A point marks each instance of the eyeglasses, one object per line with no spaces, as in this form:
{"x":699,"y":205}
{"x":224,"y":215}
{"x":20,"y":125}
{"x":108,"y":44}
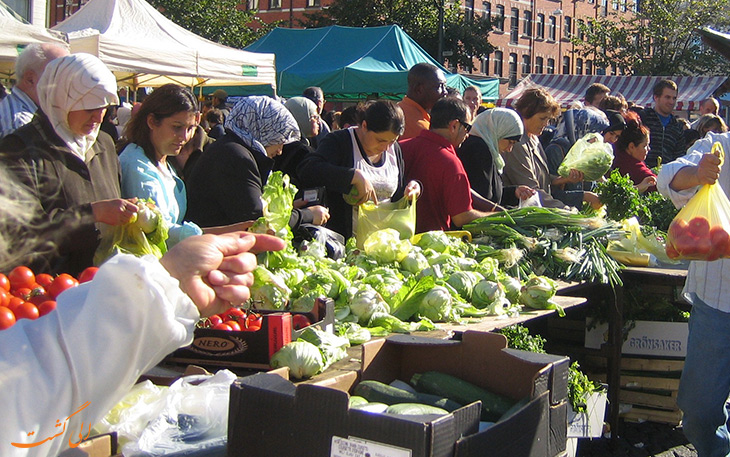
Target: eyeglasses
{"x":466,"y":125}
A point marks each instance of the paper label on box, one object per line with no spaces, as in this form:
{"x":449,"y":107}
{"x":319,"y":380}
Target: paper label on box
{"x":645,"y":338}
{"x":357,"y":447}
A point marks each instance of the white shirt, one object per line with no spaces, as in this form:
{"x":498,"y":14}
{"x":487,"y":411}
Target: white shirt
{"x":92,"y":348}
{"x":709,"y":280}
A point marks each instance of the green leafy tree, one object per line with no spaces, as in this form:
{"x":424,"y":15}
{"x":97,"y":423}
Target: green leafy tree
{"x":221,"y":21}
{"x":658,"y":39}
{"x":465,"y":37}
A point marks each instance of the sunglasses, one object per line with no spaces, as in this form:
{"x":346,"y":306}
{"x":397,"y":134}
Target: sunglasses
{"x":466,"y":125}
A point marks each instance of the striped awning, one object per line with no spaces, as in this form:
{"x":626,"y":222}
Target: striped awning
{"x":570,"y":88}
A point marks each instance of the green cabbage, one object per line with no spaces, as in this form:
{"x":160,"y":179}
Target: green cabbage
{"x":436,"y":240}
{"x":332,"y":347}
{"x":463,"y":282}
{"x":353,"y":332}
{"x":277,"y":199}
{"x":538,"y":292}
{"x":303,"y":359}
{"x":365,"y":302}
{"x":436,"y":304}
{"x":490,"y":295}
{"x":385,"y":246}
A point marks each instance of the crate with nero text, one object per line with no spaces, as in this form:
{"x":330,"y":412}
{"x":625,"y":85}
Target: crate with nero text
{"x":252,"y":349}
{"x":272,"y":416}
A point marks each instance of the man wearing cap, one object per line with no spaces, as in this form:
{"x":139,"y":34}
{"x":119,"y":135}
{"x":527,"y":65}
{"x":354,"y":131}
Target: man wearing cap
{"x":316,"y":94}
{"x":219,"y":102}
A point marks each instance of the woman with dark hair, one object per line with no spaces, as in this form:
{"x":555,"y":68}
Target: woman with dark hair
{"x":630,"y":152}
{"x":226,"y":185}
{"x":366,"y":158}
{"x":159,"y":130}
{"x":527,"y":164}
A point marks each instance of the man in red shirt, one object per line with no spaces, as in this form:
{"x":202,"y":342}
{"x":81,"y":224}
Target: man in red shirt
{"x":426,"y":84}
{"x":431,"y":158}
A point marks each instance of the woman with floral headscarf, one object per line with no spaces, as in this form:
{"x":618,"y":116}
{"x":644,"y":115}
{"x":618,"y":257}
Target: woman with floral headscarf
{"x":68,"y":163}
{"x":226,"y":184}
{"x":493,"y":133}
{"x":305,"y":113}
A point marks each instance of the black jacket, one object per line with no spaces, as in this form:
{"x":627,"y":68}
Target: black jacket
{"x":331,"y":166}
{"x":226,"y":184}
{"x":483,"y":176}
{"x":665,"y":142}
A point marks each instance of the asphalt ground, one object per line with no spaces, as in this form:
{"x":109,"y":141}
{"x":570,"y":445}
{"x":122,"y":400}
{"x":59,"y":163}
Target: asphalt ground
{"x":640,"y":440}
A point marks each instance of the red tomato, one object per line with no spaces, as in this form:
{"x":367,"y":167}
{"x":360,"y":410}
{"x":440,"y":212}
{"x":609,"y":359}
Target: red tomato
{"x":235,"y":326}
{"x":62,"y":282}
{"x":4,"y":283}
{"x":677,"y":228}
{"x":233,"y":314}
{"x":222,"y":326}
{"x":671,"y":252}
{"x":88,"y":274}
{"x":7,"y":318}
{"x":699,"y":227}
{"x":215,"y":320}
{"x":21,"y":277}
{"x":22,"y":292}
{"x":46,"y":307}
{"x":38,"y":299}
{"x":299,"y":321}
{"x":4,"y":297}
{"x":14,"y":303}
{"x":26,"y":310}
{"x":44,"y":280}
{"x":720,"y":240}
{"x":253,"y":322}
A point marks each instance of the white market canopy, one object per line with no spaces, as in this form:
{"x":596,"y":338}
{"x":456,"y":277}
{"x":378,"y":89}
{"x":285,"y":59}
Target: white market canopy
{"x":142,"y":46}
{"x":638,"y":89}
{"x":15,"y":35}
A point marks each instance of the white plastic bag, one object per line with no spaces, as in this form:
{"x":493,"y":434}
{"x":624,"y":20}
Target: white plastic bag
{"x":534,"y":200}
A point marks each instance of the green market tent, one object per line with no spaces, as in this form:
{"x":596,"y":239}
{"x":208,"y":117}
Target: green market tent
{"x":352,"y":62}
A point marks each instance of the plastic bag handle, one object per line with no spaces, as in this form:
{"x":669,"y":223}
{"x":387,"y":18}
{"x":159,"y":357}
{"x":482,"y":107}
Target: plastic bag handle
{"x":718,"y":150}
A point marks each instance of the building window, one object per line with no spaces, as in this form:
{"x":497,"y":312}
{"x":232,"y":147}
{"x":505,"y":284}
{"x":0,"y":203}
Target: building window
{"x":580,"y":29}
{"x":498,"y":63}
{"x":567,"y":27}
{"x":469,"y":9}
{"x":566,"y":65}
{"x":252,"y":5}
{"x":513,"y":69}
{"x":22,"y":8}
{"x":274,"y":4}
{"x":487,"y":10}
{"x":527,"y":29}
{"x":551,"y":67}
{"x":540,"y":26}
{"x":500,"y":18}
{"x":578,"y":66}
{"x":614,"y":69}
{"x":311,"y":3}
{"x":525,"y":64}
{"x":552,"y":27}
{"x":538,"y":65}
{"x":615,"y":4}
{"x":589,"y":67}
{"x":485,"y":64}
{"x":514,"y":25}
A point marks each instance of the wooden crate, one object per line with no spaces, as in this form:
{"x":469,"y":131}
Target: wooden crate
{"x":649,"y":385}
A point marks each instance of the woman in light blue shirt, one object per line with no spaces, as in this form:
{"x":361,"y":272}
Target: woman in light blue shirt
{"x":164,"y":123}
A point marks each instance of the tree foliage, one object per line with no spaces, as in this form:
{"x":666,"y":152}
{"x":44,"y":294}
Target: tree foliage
{"x":658,"y":40}
{"x":466,"y":38}
{"x":217,"y":20}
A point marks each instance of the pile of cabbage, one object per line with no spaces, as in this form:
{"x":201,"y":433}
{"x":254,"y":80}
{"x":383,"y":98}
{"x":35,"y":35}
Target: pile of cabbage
{"x":396,"y":286}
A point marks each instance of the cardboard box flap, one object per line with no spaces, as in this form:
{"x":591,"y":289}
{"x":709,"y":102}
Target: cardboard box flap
{"x":525,"y":434}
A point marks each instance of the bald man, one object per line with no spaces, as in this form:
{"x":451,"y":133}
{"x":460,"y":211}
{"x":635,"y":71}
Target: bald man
{"x":17,"y":109}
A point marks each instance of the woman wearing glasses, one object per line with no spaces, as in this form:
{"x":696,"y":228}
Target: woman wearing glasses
{"x":364,"y":162}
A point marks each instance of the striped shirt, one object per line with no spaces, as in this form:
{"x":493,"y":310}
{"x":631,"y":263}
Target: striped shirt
{"x":710,"y":281}
{"x":16,"y":110}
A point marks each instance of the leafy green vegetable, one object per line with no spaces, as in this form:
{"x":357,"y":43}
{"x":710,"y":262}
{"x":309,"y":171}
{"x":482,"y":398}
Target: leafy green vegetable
{"x":146,"y":233}
{"x":332,"y":347}
{"x":464,"y":282}
{"x":303,"y":359}
{"x":386,"y":246}
{"x":353,"y":332}
{"x":579,"y":388}
{"x":277,"y":199}
{"x":621,"y":198}
{"x":435,"y":304}
{"x":365,"y":302}
{"x":538,"y":292}
{"x":518,"y":337}
{"x":436,"y":240}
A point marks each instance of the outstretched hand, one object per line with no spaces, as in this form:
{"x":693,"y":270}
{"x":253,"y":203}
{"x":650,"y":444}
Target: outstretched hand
{"x":216,"y":271}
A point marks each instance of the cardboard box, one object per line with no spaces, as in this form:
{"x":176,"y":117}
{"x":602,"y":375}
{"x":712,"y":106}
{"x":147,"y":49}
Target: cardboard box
{"x":104,"y":445}
{"x":221,"y":348}
{"x":271,"y":416}
{"x":665,"y":339}
{"x":590,"y":423}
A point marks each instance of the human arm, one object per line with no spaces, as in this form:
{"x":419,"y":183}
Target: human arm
{"x":464,"y":218}
{"x":647,"y":184}
{"x":482,"y":204}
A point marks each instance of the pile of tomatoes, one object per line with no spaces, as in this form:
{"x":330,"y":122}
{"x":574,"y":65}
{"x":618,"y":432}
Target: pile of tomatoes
{"x":697,"y":240}
{"x":25,"y":295}
{"x":233,"y":320}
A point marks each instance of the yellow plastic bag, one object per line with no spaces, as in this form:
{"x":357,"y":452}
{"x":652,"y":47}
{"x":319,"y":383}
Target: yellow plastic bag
{"x":591,"y":155}
{"x":701,"y":230}
{"x":400,"y":215}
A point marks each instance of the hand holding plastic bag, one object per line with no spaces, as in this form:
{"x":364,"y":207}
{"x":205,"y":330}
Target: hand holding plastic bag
{"x":701,"y":230}
{"x":589,"y":155}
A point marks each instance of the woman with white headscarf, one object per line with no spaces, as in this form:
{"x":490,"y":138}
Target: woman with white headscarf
{"x":68,"y":163}
{"x":226,"y":184}
{"x":493,"y":133}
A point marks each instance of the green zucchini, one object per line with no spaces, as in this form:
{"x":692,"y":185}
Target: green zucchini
{"x":373,"y":407}
{"x":460,"y":391}
{"x":383,"y":393}
{"x":414,"y":409}
{"x":355,"y":401}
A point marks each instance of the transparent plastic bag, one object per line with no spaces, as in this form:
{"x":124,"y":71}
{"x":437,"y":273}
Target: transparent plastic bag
{"x":590,"y":155}
{"x":400,"y":215}
{"x":701,"y":230}
{"x":189,"y":416}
